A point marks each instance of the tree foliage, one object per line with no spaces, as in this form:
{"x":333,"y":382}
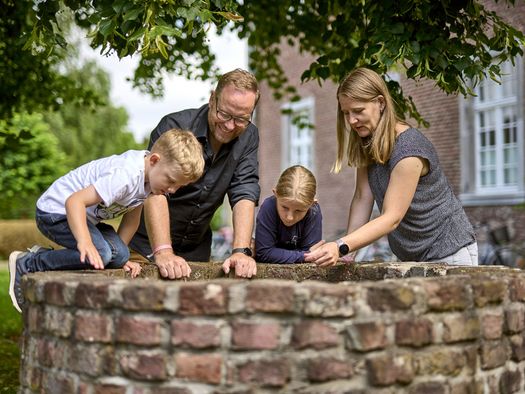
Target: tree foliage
{"x":30,"y":161}
{"x":456,"y":43}
{"x":91,"y":132}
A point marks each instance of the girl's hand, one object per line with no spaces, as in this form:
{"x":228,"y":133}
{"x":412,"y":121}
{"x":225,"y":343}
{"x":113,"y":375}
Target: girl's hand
{"x":133,"y":268}
{"x":317,"y":245}
{"x":323,"y":256}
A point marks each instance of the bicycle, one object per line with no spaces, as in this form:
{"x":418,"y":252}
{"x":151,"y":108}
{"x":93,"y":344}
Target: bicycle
{"x":498,"y":248}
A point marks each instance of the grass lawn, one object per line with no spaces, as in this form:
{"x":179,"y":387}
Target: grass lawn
{"x":10,"y":331}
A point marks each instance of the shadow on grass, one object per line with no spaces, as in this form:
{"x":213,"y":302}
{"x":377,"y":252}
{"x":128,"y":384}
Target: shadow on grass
{"x":10,"y":331}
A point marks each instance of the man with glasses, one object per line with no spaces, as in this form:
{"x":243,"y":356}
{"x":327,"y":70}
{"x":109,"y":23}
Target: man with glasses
{"x":175,"y":228}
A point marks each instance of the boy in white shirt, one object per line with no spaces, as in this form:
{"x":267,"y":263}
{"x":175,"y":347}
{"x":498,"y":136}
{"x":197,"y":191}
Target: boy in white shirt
{"x":71,"y":210}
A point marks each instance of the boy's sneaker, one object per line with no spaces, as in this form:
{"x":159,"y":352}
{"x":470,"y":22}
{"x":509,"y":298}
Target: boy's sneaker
{"x":17,"y":269}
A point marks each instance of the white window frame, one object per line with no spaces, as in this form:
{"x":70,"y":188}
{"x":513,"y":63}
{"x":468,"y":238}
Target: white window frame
{"x":474,"y":191}
{"x":294,"y":139}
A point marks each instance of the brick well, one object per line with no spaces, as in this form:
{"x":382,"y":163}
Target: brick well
{"x":360,"y":328}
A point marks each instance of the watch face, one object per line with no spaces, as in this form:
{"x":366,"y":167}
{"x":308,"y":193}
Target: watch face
{"x":248,"y":252}
{"x":343,"y":249}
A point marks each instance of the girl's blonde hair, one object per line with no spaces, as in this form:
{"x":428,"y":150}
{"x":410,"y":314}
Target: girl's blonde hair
{"x":181,"y":149}
{"x":297,"y":183}
{"x":365,"y":85}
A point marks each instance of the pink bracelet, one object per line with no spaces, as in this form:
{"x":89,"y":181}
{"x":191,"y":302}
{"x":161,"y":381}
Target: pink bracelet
{"x":160,"y":247}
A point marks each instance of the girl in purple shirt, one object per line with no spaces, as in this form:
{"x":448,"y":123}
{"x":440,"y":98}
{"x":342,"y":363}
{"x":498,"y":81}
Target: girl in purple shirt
{"x":289,"y":223}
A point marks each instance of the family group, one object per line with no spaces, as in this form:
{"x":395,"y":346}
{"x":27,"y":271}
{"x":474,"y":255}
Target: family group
{"x":167,"y":194}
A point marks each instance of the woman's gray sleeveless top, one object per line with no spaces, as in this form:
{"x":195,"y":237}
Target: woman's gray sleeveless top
{"x":435,"y":224}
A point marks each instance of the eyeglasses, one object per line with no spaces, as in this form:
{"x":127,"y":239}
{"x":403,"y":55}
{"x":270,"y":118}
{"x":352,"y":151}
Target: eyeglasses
{"x":224,"y":117}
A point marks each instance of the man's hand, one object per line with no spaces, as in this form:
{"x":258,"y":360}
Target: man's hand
{"x":171,"y":266}
{"x":244,"y":266}
{"x":133,"y":268}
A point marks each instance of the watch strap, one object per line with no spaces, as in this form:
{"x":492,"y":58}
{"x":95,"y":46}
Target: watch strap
{"x":246,"y":251}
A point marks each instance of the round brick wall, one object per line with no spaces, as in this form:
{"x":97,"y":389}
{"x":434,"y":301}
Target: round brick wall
{"x":360,"y":328}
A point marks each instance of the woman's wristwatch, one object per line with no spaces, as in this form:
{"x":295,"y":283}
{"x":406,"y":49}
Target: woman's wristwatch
{"x":344,"y":249}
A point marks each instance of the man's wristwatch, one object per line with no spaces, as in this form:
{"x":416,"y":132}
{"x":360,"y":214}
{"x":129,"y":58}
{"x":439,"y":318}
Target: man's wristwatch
{"x":246,"y":251}
{"x":343,"y":248}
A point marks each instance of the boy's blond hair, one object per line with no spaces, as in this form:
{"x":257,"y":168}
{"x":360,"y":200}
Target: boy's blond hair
{"x":181,"y":149}
{"x":241,"y":79}
{"x":297,"y":183}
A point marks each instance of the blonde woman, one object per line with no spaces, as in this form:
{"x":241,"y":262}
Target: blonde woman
{"x":289,"y":223}
{"x":397,"y":168}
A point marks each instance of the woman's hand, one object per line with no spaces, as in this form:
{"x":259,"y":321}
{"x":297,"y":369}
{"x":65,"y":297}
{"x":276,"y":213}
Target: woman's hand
{"x":324,"y":256}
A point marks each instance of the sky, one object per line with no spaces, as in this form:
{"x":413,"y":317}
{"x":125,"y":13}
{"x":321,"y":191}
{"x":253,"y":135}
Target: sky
{"x":144,"y":111}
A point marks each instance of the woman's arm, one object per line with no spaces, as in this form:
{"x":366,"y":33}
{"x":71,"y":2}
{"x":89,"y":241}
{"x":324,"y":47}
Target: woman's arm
{"x":399,"y":194}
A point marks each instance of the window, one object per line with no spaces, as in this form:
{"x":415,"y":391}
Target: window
{"x":298,"y":134}
{"x":493,"y":141}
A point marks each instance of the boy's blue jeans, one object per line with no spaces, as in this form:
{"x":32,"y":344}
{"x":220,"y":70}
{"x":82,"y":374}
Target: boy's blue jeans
{"x":113,"y":251}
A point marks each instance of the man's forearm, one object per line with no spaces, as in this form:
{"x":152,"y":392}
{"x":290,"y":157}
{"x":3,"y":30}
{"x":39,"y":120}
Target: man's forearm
{"x":156,"y":217}
{"x":243,"y":219}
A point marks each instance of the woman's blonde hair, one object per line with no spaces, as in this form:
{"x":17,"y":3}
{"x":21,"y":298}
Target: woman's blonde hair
{"x":365,"y":85}
{"x":181,"y":149}
{"x":297,"y":183}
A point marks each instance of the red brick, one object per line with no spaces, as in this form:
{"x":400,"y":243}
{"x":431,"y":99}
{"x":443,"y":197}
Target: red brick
{"x":314,"y":334}
{"x":458,"y":328}
{"x":203,"y":368}
{"x":320,"y":299}
{"x":389,"y":369}
{"x":255,"y":335}
{"x":440,"y":361}
{"x":33,"y":318}
{"x":446,"y":294}
{"x":368,"y":336}
{"x":391,"y":297}
{"x":50,"y":353}
{"x":143,"y":297}
{"x":517,"y":346}
{"x":144,"y":366}
{"x":511,"y":382}
{"x":54,"y":293}
{"x":415,"y":333}
{"x":271,"y":373}
{"x":488,"y":291}
{"x":515,"y":319}
{"x":85,"y":359}
{"x":203,"y":299}
{"x":92,"y":295}
{"x":93,"y":327}
{"x":429,"y":388}
{"x":493,"y":354}
{"x":58,"y":321}
{"x":139,"y":330}
{"x":269,"y":296}
{"x":492,"y":325}
{"x":195,"y":335}
{"x":108,"y":389}
{"x":323,"y":369}
{"x":517,"y":289}
{"x":58,"y":383}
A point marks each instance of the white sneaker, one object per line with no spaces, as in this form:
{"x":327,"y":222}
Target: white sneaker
{"x":15,"y":292}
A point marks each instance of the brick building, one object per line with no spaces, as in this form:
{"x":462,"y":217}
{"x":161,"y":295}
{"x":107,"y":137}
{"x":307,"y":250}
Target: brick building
{"x":480,"y":141}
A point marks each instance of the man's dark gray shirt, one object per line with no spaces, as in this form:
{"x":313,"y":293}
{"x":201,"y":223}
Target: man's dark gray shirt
{"x":234,"y":171}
